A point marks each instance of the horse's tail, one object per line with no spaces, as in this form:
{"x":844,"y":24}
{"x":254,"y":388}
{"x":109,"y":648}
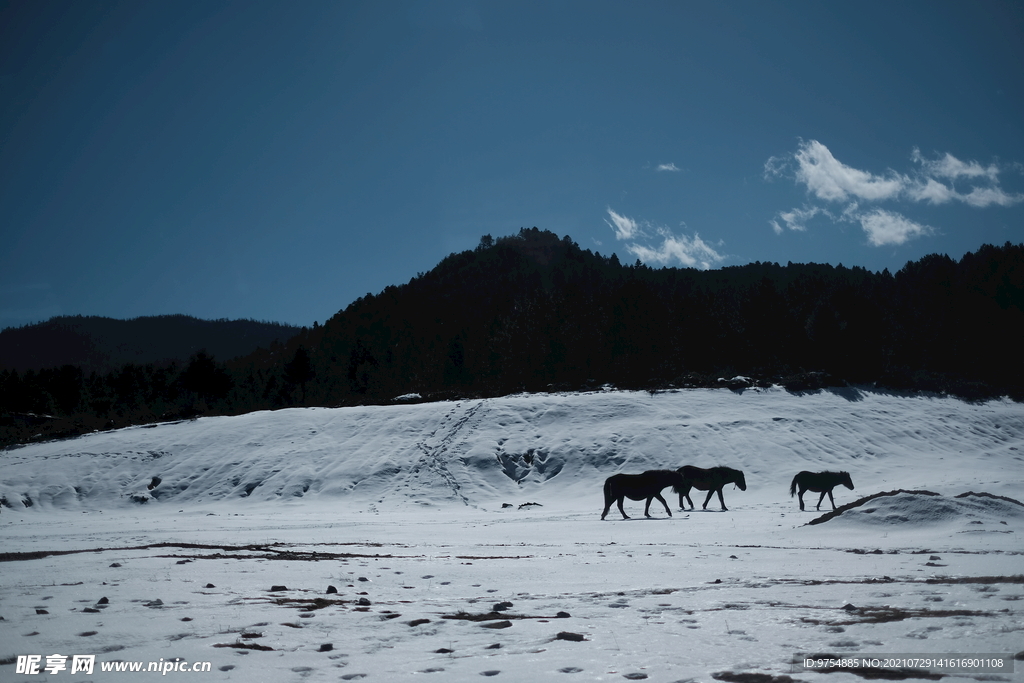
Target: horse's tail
{"x":680,"y":484}
{"x":792,"y":487}
{"x":608,"y":491}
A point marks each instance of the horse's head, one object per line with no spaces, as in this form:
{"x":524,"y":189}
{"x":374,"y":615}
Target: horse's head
{"x":845,"y":480}
{"x":739,"y":480}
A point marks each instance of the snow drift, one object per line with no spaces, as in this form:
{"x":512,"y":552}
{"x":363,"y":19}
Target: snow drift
{"x":926,"y":507}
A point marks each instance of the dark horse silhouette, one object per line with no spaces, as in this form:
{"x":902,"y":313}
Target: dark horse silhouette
{"x":822,"y":482}
{"x":710,"y":480}
{"x":639,"y":486}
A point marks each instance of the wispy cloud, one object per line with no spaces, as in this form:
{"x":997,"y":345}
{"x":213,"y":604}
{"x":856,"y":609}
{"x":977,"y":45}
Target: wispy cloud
{"x":829,"y":179}
{"x":987,"y":196}
{"x":668,"y":167}
{"x":886,"y":228}
{"x":625,"y":228}
{"x":935,"y":181}
{"x":654,"y":244}
{"x":796,"y":219}
{"x":948,"y":166}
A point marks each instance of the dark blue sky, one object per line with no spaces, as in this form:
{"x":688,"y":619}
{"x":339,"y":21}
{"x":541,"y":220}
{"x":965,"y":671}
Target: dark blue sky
{"x":278,"y":160}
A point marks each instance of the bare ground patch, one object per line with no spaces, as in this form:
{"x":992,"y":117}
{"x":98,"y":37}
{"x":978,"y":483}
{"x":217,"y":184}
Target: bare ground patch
{"x":266,"y":552}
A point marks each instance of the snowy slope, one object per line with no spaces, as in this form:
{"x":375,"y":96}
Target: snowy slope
{"x":546,"y":447}
{"x":410,"y":498}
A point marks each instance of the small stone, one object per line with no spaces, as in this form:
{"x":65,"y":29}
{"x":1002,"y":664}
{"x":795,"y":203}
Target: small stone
{"x":274,"y":589}
{"x":497,"y":624}
{"x":568,"y":635}
{"x":563,"y":615}
{"x":363,"y":602}
{"x":331,"y":589}
{"x":210,"y":585}
{"x":326,"y":647}
{"x":102,"y":601}
{"x":116,"y":564}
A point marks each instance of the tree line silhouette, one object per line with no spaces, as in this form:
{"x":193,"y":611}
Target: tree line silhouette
{"x":99,"y":344}
{"x":533,"y":312}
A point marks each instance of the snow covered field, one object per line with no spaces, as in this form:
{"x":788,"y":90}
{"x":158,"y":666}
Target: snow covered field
{"x":426,"y":518}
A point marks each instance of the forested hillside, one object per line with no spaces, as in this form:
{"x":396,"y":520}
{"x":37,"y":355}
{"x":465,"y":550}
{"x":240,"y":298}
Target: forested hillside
{"x":98,"y":344}
{"x":534,"y":312}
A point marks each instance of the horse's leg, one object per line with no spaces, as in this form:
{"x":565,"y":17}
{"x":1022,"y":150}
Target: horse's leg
{"x":831,"y":499}
{"x":800,"y":496}
{"x":658,"y":496}
{"x":608,"y":500}
{"x":721,"y":499}
{"x":624,"y":515}
{"x":711,"y":492}
{"x":683,"y":491}
{"x":823,"y":498}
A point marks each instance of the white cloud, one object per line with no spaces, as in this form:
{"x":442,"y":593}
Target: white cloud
{"x":887,"y":228}
{"x":882,"y":227}
{"x":935,"y":181}
{"x":932,"y":191}
{"x":797,"y":218}
{"x":625,"y":228}
{"x":692,"y":252}
{"x":668,"y":167}
{"x":950,"y":167}
{"x":659,"y":245}
{"x":830,"y":179}
{"x":986,"y":196}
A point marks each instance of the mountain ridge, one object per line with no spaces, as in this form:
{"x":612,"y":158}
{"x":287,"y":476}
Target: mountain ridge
{"x":534,"y":312}
{"x":101,"y":344}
